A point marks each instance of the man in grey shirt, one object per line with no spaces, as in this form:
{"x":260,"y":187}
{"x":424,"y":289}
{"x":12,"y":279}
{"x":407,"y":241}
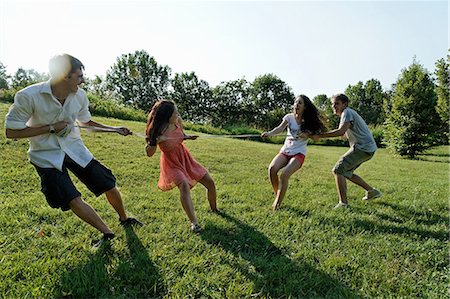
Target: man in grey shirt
{"x":362,"y":149}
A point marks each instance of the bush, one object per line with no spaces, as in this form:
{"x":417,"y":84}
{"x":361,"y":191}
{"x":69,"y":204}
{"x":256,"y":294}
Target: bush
{"x":111,"y":108}
{"x":378,"y":135}
{"x":7,"y":95}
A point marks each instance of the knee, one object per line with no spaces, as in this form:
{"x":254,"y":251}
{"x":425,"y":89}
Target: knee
{"x":184,"y":186}
{"x":272,"y":170}
{"x":212,"y":185}
{"x":334,"y":171}
{"x":209,"y":182}
{"x":76,"y":203}
{"x":285,"y":176}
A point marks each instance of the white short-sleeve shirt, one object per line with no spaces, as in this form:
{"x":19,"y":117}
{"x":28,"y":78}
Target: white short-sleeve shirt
{"x":35,"y":106}
{"x":293,"y":146}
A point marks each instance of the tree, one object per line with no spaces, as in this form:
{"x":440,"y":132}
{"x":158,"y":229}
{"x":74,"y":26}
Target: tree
{"x":367,"y":99}
{"x":271,"y":99}
{"x":25,"y":77}
{"x":443,"y":92}
{"x":192,"y":96}
{"x":3,"y":77}
{"x":412,"y":121}
{"x":230,"y":102}
{"x":323,"y":103}
{"x":138,"y":80}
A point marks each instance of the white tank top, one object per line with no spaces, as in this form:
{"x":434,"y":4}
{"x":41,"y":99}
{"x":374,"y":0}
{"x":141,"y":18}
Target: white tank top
{"x":291,"y":145}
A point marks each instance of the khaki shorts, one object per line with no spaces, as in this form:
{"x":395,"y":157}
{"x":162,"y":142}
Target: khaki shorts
{"x":351,"y":160}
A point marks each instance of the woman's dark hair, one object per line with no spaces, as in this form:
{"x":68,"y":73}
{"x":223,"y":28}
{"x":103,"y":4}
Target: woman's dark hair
{"x":312,"y":120}
{"x":158,"y":119}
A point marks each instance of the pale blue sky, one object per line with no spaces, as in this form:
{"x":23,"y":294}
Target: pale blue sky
{"x":315,"y":47}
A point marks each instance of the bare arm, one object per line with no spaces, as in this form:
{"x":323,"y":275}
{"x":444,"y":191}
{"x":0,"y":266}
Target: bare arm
{"x":278,"y":129}
{"x":120,"y":130}
{"x":334,"y":133}
{"x":34,"y":131}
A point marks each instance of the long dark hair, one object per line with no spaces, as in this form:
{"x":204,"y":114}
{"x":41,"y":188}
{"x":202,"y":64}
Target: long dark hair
{"x":312,"y":120}
{"x":158,"y":119}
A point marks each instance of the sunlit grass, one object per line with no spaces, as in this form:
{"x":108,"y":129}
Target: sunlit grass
{"x":395,"y":246}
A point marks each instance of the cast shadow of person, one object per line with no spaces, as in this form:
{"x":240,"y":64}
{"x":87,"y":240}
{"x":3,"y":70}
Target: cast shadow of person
{"x":398,"y":223}
{"x":141,"y":276}
{"x":136,"y":276}
{"x":271,"y":271}
{"x":89,"y":280}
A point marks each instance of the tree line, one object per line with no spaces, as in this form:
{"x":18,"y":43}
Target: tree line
{"x":413,"y":114}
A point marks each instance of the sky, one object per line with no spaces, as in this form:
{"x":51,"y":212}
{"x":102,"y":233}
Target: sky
{"x":316,"y":47}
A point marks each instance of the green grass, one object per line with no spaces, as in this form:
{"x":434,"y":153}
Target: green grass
{"x":393,"y":247}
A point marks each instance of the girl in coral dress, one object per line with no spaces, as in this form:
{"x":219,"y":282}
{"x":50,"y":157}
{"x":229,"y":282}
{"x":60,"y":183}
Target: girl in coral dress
{"x":177,"y":166}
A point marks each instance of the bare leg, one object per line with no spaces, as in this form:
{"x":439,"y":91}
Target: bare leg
{"x":341,"y":185}
{"x":85,"y":212}
{"x":186,"y":202}
{"x":115,"y":199}
{"x":360,"y":182}
{"x":208,"y":182}
{"x":278,"y":162}
{"x":286,"y":173}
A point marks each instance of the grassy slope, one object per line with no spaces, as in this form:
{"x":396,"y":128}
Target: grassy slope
{"x":395,"y":246}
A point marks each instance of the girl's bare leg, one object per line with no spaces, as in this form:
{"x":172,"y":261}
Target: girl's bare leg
{"x":186,"y":202}
{"x":211,"y":193}
{"x":278,"y":162}
{"x":286,"y":173}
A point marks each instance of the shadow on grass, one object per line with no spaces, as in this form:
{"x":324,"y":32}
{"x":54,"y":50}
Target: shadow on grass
{"x":272,"y":272}
{"x":398,"y":222}
{"x":136,"y":276}
{"x":404,"y":215}
{"x":432,"y":158}
{"x":90,"y":279}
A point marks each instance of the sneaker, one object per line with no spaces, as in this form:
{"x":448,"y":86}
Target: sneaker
{"x":196,"y":228}
{"x":130,"y":222}
{"x":104,"y":239}
{"x":371,"y":194}
{"x":342,"y":205}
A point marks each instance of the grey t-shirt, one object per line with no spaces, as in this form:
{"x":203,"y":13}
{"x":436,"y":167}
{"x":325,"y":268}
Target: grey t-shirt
{"x":358,"y":134}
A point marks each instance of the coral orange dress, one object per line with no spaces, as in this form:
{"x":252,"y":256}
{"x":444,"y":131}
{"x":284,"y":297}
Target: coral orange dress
{"x":176,"y":163}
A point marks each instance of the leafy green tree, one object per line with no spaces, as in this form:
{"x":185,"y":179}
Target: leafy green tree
{"x":137,"y":79}
{"x":443,"y":92}
{"x":97,"y":86}
{"x":192,"y":96}
{"x":367,"y":99}
{"x":271,"y":98}
{"x":25,"y":77}
{"x":413,"y":119}
{"x":230,"y":103}
{"x":4,"y":77}
{"x":323,"y":103}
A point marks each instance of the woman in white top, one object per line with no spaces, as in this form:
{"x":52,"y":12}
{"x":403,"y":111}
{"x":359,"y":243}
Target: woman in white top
{"x":304,"y":118}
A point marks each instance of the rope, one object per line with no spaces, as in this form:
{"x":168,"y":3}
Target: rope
{"x":99,"y":129}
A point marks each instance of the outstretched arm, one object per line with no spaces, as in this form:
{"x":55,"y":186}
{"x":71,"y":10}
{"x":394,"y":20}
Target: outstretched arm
{"x":278,"y":129}
{"x":334,"y":133}
{"x":120,"y":130}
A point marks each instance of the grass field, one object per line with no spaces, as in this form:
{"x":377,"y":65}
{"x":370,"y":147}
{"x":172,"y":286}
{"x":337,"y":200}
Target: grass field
{"x":393,"y":247}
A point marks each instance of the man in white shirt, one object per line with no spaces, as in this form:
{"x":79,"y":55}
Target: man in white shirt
{"x":46,"y":113}
{"x":362,"y":149}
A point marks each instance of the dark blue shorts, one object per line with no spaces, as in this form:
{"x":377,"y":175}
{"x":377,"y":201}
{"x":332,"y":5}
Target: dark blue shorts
{"x":59,"y":189}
